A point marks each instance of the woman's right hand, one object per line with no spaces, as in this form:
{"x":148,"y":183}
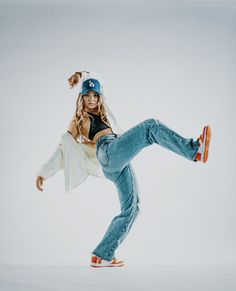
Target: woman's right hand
{"x":39,"y":183}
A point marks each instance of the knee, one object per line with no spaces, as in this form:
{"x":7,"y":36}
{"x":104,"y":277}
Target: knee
{"x":135,"y":208}
{"x":151,"y":120}
{"x":136,"y":211}
{"x":132,"y":209}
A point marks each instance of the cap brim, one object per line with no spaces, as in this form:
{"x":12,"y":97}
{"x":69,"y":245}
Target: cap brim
{"x":86,"y":91}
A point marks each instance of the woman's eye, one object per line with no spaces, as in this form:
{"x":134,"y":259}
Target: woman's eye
{"x":86,"y":95}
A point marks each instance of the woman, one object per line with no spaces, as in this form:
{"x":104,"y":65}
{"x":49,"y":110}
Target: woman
{"x":115,"y":151}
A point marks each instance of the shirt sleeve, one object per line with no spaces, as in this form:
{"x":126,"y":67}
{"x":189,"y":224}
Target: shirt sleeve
{"x":53,"y":165}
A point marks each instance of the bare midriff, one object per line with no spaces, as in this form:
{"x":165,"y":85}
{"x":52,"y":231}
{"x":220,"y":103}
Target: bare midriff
{"x":97,"y":135}
{"x":101,"y":133}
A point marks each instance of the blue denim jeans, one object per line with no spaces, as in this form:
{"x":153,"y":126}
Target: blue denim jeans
{"x":115,"y":152}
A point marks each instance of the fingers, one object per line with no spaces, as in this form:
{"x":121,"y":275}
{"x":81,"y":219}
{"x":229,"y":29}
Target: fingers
{"x":71,"y":80}
{"x":70,"y":83}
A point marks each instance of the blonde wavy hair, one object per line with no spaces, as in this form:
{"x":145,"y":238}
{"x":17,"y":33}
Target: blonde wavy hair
{"x":75,"y":127}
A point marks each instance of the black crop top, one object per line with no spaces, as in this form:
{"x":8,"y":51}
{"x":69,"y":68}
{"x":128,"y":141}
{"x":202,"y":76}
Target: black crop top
{"x":96,"y":125}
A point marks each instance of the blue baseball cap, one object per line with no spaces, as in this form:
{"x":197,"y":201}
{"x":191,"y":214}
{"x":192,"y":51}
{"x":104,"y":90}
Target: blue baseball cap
{"x":91,"y":85}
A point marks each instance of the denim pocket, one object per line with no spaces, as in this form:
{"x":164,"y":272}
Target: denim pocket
{"x":102,"y":154}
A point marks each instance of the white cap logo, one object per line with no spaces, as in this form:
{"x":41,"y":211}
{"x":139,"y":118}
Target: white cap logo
{"x":91,"y":84}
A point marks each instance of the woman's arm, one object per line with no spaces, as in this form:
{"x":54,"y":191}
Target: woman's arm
{"x":51,"y":167}
{"x":55,"y":162}
{"x":77,"y":77}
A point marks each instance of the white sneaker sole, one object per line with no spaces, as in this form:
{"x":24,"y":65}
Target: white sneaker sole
{"x":203,"y":150}
{"x":105,"y":263}
{"x":104,"y":266}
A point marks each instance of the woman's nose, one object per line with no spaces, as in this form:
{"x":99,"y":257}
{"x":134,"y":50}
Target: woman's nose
{"x":91,"y":97}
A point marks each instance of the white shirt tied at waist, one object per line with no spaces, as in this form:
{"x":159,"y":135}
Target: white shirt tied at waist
{"x":77,"y":159}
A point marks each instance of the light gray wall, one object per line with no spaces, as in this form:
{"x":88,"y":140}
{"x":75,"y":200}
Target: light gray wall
{"x":174,"y":61}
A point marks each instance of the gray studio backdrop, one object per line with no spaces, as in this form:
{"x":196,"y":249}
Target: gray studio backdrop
{"x":174,"y":61}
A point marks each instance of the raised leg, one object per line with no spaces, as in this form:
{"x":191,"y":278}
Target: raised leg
{"x":120,"y":151}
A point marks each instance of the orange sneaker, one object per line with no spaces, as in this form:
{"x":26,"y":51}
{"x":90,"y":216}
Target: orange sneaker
{"x":203,"y":145}
{"x":100,"y":262}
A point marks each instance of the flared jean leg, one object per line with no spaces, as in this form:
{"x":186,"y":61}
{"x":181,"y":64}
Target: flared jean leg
{"x":125,"y":147}
{"x":127,"y":187}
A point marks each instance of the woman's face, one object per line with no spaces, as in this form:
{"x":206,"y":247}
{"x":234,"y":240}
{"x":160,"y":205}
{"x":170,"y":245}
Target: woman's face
{"x":91,"y":100}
